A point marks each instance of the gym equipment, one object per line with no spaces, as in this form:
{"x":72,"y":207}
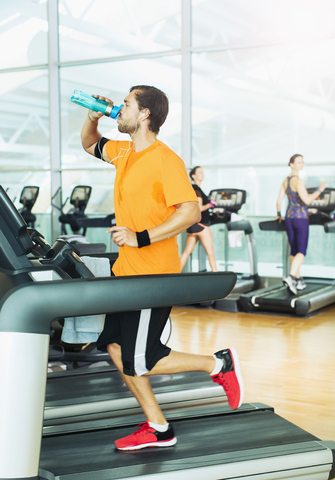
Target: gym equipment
{"x":251,"y":441}
{"x":28,"y":199}
{"x":79,"y":222}
{"x":18,"y":274}
{"x":79,"y":199}
{"x":229,"y":201}
{"x":319,"y":292}
{"x":329,"y":227}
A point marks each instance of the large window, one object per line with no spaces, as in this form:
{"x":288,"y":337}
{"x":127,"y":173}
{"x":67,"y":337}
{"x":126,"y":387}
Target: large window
{"x":23,"y":33}
{"x":24,"y":117}
{"x":24,"y":103}
{"x":263,"y":89}
{"x":256,"y":79}
{"x":104,"y":28}
{"x":243,"y":24}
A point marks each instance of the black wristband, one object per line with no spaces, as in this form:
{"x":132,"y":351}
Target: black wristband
{"x":278,"y":214}
{"x":99,"y":147}
{"x":143,"y":239}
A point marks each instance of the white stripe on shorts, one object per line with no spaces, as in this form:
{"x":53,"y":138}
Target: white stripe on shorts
{"x":141,"y":343}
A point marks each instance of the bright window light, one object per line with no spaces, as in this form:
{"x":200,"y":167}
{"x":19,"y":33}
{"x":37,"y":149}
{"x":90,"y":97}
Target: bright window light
{"x":81,"y":37}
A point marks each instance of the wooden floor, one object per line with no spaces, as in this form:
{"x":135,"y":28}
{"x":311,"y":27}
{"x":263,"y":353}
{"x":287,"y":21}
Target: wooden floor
{"x":286,"y":362}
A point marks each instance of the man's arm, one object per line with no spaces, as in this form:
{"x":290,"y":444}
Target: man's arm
{"x":186,"y":214}
{"x":89,"y":132}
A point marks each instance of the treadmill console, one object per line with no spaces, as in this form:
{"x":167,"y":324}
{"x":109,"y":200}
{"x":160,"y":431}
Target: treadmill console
{"x":325,"y":201}
{"x":230,"y":199}
{"x":80,"y":196}
{"x":15,"y":242}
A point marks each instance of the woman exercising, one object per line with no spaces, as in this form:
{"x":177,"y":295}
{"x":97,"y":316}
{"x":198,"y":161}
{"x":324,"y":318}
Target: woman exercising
{"x":200,"y":231}
{"x":296,"y":220}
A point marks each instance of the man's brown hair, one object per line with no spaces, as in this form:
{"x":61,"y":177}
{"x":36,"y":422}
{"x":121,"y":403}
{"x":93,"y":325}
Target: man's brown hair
{"x":155,"y":101}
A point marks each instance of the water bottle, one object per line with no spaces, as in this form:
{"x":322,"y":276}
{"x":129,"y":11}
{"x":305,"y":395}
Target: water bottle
{"x":92,"y":103}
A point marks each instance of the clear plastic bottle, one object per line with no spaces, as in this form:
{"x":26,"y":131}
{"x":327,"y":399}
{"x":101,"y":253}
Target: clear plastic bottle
{"x":92,"y":103}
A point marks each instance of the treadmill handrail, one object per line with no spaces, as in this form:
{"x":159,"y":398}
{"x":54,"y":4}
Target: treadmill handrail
{"x":30,"y":308}
{"x":272,"y":226}
{"x":329,"y":227}
{"x":312,"y":294}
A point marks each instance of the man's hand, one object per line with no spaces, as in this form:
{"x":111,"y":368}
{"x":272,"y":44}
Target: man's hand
{"x":123,"y":236}
{"x":94,"y":116}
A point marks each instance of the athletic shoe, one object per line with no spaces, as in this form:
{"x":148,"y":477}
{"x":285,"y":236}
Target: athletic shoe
{"x":230,"y":377}
{"x":291,"y":284}
{"x":301,"y":284}
{"x":146,"y":436}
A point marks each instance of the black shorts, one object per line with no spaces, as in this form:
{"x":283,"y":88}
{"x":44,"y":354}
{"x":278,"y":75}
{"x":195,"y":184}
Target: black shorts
{"x":195,"y":229}
{"x":139,"y":335}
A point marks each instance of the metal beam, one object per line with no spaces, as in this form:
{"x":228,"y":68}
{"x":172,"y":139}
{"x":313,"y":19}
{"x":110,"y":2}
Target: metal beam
{"x":54,"y":116}
{"x":186,"y":87}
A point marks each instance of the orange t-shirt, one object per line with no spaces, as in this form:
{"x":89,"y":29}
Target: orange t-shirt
{"x":148,"y":185}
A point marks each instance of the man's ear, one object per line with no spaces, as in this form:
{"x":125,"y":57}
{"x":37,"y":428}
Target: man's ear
{"x":145,"y":114}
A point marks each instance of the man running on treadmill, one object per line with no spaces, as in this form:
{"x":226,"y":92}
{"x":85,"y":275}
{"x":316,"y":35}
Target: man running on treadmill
{"x":154,"y":202}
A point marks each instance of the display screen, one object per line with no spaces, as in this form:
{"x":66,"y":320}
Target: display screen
{"x":325,"y":201}
{"x":230,"y":199}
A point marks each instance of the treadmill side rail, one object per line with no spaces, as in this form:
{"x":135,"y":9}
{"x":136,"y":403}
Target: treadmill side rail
{"x":26,"y":312}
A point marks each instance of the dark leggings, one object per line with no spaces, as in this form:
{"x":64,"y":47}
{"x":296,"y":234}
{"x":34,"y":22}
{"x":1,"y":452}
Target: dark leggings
{"x":297,"y":231}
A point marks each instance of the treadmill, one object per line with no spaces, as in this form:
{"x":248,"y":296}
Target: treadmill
{"x":214,"y":442}
{"x":319,"y":293}
{"x":80,"y":394}
{"x":230,"y":200}
{"x":78,"y":221}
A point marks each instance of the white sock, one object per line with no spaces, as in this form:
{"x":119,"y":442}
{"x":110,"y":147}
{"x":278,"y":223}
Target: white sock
{"x":218,"y":366}
{"x":159,"y":428}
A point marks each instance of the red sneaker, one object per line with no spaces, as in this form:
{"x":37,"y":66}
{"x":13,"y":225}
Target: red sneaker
{"x":230,"y":377}
{"x":146,"y":436}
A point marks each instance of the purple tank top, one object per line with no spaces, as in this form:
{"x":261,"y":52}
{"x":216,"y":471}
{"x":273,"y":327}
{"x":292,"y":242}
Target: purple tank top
{"x":296,"y":207}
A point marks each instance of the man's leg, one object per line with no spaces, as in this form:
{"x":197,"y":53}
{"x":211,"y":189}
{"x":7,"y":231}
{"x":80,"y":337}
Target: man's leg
{"x":223,"y":367}
{"x":178,"y":362}
{"x":140,"y":387}
{"x":156,"y":432}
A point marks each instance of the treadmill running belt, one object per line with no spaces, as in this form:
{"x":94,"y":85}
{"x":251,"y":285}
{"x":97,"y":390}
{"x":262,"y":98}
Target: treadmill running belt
{"x":210,"y":437}
{"x":278,"y":299}
{"x":107,"y":384}
{"x":284,"y":296}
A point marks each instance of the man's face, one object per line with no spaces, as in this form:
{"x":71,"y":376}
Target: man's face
{"x":129,"y":114}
